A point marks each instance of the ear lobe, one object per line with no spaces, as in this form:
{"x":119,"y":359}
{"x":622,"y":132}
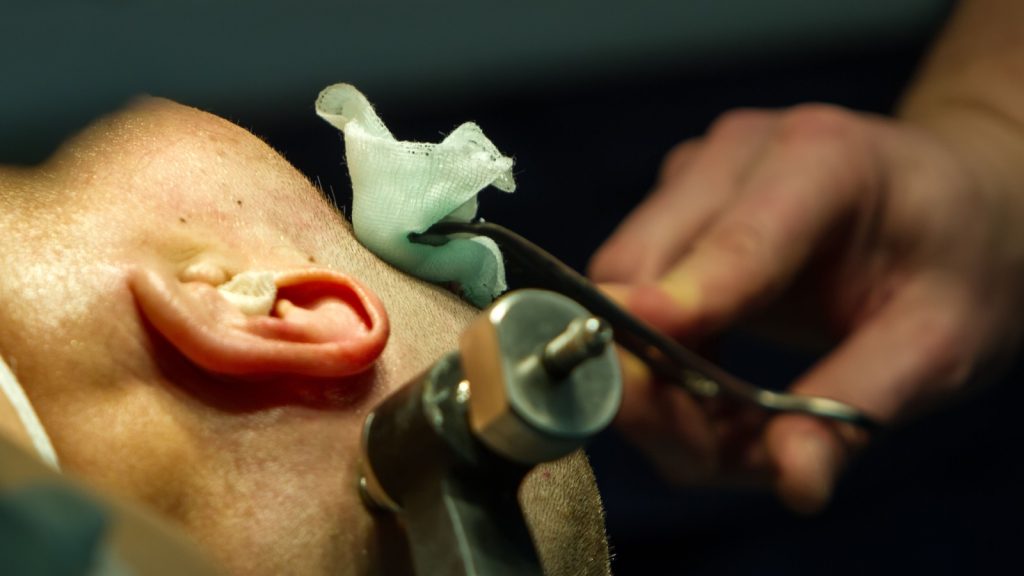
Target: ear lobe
{"x":323,"y":324}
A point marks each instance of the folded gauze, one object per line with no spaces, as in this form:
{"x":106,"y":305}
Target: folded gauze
{"x":402,"y":187}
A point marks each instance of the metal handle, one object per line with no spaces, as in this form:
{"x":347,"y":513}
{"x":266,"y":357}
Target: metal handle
{"x":669,"y":360}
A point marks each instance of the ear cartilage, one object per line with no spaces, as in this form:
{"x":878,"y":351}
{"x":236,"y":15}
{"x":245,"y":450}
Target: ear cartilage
{"x":253,"y":293}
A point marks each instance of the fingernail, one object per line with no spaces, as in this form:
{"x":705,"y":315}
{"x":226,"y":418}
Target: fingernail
{"x":682,"y":289}
{"x":634,"y":371}
{"x":618,"y":293}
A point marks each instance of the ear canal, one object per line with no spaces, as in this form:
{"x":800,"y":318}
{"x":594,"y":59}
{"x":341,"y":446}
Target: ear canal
{"x":320,"y":324}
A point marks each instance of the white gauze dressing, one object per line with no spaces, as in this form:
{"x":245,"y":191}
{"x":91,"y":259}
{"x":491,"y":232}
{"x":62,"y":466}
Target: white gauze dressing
{"x":252,"y":292}
{"x":402,"y":187}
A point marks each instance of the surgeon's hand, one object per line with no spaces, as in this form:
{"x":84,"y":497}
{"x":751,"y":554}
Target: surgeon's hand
{"x":905,"y":240}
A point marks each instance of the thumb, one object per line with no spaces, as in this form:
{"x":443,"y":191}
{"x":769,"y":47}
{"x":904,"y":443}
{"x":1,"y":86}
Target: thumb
{"x":911,"y":352}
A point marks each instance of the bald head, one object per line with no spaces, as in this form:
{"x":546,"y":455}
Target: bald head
{"x":241,"y":428}
{"x":172,"y":192}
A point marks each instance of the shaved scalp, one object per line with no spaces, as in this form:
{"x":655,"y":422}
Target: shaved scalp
{"x":165,"y":188}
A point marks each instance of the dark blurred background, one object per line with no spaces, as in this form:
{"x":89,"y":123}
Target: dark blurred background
{"x":587,"y":96}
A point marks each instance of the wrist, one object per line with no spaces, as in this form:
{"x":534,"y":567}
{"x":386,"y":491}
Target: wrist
{"x":986,"y":137}
{"x":988,"y":143}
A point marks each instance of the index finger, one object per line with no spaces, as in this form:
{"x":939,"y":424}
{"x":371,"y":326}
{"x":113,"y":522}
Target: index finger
{"x":813,"y":175}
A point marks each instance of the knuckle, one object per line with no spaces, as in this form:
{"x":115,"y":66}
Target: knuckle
{"x":819,"y":122}
{"x":741,"y":241}
{"x":612,"y":262}
{"x":623,"y":259}
{"x":678,"y":158}
{"x":745,"y":248}
{"x":941,"y":349}
{"x":836,"y":138}
{"x":937,"y":347}
{"x":738,"y":123}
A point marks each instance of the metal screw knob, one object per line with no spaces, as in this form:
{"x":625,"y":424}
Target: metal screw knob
{"x":582,"y":339}
{"x":543,"y":376}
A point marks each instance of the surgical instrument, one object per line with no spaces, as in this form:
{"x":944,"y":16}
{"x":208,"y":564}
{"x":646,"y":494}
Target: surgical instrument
{"x":534,"y":378}
{"x":669,"y":360}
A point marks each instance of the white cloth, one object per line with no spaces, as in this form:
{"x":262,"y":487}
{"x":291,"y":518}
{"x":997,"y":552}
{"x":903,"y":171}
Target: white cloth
{"x":402,"y":187}
{"x":36,"y":433}
{"x":252,"y":292}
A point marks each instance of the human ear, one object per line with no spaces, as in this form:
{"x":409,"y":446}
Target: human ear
{"x":322,"y":323}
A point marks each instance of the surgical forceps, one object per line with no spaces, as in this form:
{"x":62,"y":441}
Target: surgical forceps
{"x":669,"y":360}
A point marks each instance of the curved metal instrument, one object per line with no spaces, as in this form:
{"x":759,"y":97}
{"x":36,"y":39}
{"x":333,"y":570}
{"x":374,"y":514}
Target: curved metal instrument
{"x":668,"y":359}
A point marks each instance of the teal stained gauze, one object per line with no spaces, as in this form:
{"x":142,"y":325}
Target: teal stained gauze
{"x":402,"y":187}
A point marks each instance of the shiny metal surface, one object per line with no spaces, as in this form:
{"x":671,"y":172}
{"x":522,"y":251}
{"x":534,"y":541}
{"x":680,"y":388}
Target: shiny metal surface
{"x":533,"y":380}
{"x":582,"y":339}
{"x":455,"y":500}
{"x":543,"y":376}
{"x":668,"y":359}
